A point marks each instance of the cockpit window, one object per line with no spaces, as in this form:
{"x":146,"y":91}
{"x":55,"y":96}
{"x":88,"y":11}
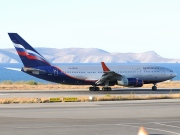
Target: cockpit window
{"x":167,"y":69}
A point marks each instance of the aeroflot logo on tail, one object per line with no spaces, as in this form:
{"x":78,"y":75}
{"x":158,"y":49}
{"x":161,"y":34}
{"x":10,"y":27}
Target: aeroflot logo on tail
{"x":30,"y":54}
{"x":150,"y":67}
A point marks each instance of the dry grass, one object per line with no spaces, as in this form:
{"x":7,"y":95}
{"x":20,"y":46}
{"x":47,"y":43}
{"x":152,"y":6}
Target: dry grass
{"x":30,"y":85}
{"x":167,"y":84}
{"x":23,"y":100}
{"x":137,"y":97}
{"x":95,"y":98}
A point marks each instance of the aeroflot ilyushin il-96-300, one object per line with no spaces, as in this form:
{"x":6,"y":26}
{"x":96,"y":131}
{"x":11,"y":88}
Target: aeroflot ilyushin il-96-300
{"x":95,"y":75}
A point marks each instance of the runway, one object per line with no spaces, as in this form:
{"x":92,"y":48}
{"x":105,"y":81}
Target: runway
{"x":73,"y":92}
{"x":159,"y":117}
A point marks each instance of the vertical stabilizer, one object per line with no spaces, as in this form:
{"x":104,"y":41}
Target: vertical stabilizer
{"x":29,"y":56}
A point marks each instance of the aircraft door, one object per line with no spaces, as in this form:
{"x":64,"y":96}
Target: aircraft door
{"x":55,"y":72}
{"x":138,"y":71}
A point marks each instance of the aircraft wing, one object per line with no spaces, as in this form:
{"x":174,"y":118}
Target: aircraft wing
{"x":108,"y":75}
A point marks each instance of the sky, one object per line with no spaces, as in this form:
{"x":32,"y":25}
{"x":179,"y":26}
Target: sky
{"x":112,"y":25}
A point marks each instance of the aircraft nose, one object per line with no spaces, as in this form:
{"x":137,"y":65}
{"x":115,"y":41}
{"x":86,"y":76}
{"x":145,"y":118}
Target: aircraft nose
{"x":173,"y":74}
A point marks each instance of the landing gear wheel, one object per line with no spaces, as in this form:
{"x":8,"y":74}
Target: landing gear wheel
{"x":106,"y":89}
{"x":96,"y":88}
{"x":90,"y":88}
{"x":93,"y":88}
{"x":154,"y":88}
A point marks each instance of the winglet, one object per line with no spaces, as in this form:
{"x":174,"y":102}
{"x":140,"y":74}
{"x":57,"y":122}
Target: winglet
{"x":105,"y":68}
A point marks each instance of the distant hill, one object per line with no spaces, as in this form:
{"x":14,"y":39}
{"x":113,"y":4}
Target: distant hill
{"x":87,"y":55}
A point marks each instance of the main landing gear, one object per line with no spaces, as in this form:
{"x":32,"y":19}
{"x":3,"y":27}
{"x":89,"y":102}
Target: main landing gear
{"x":94,"y":88}
{"x":154,"y":87}
{"x":106,"y":89}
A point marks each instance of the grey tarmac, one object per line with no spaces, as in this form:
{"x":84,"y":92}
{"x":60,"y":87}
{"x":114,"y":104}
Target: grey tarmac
{"x":159,"y":117}
{"x":76,"y":92}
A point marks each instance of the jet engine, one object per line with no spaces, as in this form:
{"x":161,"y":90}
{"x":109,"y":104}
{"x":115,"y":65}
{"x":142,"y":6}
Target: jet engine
{"x":133,"y":82}
{"x":139,"y":83}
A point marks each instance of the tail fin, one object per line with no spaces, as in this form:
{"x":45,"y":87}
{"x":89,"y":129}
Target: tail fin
{"x":29,"y":56}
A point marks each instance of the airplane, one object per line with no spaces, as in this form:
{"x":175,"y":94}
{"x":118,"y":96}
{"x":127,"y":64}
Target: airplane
{"x":133,"y":75}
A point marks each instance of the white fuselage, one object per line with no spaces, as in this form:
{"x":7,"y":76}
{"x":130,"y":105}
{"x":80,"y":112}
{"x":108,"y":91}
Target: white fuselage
{"x":148,"y":73}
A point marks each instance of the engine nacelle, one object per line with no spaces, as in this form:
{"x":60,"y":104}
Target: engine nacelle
{"x":133,"y":82}
{"x":140,"y":83}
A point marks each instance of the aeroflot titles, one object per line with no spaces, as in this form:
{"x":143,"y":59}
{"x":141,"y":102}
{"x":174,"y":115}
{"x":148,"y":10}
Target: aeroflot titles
{"x":143,"y":68}
{"x":150,"y":67}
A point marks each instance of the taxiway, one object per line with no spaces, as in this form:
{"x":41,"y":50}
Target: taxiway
{"x":86,"y":118}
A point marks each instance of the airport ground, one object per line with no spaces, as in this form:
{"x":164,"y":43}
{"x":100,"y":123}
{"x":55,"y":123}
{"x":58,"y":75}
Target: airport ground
{"x":31,"y":85}
{"x":21,"y":92}
{"x":159,"y":117}
{"x":46,"y":96}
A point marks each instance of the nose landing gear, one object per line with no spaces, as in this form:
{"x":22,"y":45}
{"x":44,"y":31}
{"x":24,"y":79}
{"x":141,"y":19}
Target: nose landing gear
{"x":154,"y":87}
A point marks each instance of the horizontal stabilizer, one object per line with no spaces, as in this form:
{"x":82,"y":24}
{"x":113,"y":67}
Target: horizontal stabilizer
{"x":16,"y":69}
{"x":33,"y":70}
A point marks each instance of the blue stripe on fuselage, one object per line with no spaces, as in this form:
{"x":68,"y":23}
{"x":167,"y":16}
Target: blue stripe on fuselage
{"x":61,"y":78}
